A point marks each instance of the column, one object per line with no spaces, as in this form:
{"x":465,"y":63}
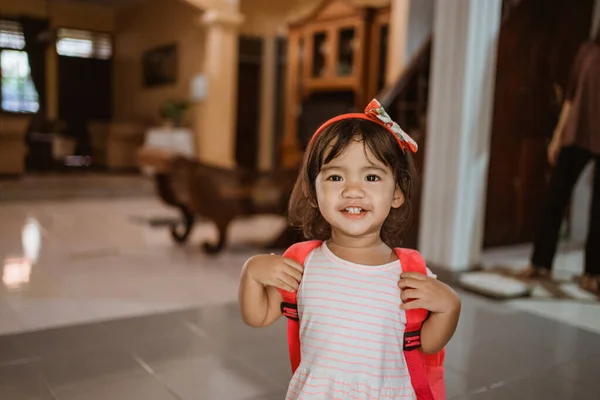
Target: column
{"x":52,"y":86}
{"x":216,"y":125}
{"x":459,"y":128}
{"x":267,"y":98}
{"x":399,"y":10}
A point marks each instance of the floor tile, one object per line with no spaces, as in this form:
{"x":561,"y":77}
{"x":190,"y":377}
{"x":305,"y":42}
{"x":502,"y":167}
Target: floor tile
{"x":458,"y":383}
{"x":23,"y":382}
{"x":212,"y":377}
{"x":582,"y":371}
{"x":124,"y":388}
{"x":280,"y":395}
{"x":540,"y":387}
{"x":177,"y":346}
{"x":65,"y":340}
{"x":64,"y":371}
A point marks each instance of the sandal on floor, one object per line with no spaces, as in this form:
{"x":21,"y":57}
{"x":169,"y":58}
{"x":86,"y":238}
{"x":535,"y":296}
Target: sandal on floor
{"x":534,"y":273}
{"x":590,"y":283}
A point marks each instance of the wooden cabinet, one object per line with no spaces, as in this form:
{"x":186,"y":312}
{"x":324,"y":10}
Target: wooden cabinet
{"x":339,"y":47}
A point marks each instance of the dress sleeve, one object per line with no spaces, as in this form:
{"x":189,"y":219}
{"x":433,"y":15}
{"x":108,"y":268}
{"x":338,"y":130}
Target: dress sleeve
{"x":574,"y":76}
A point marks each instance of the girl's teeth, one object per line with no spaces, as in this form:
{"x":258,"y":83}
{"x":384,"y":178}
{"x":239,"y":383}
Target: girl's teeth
{"x":354,"y":210}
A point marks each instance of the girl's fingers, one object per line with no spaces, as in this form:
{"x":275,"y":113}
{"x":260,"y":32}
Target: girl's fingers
{"x":408,"y":294}
{"x":294,"y":274}
{"x":284,"y":286}
{"x":289,"y":281}
{"x":411,"y":305}
{"x":293,"y":263}
{"x":413,"y":275}
{"x":410,"y":283}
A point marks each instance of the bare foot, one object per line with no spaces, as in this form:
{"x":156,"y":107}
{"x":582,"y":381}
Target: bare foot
{"x":532,"y":272}
{"x":590,"y":283}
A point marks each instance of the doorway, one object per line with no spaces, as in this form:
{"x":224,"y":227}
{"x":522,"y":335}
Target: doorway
{"x":537,"y":45}
{"x":248,"y":101}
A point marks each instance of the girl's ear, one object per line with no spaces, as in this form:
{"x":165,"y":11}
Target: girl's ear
{"x":398,"y":199}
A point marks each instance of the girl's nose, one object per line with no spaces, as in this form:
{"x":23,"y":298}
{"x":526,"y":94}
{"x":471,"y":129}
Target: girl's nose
{"x":353,"y":191}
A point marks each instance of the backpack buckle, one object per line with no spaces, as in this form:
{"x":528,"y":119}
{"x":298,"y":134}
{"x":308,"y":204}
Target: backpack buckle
{"x":412,"y":340}
{"x":290,"y":311}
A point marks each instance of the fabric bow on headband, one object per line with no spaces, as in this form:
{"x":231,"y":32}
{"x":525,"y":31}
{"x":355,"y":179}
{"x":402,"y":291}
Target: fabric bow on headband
{"x":375,"y":111}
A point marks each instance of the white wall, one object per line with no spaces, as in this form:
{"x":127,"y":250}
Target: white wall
{"x":420,"y":25}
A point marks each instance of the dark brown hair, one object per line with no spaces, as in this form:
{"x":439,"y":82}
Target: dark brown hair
{"x":331,"y":142}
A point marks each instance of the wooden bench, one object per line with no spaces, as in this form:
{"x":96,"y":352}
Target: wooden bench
{"x":217,"y":194}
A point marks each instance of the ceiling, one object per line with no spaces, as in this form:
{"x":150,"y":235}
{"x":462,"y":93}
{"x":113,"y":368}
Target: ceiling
{"x":112,"y":3}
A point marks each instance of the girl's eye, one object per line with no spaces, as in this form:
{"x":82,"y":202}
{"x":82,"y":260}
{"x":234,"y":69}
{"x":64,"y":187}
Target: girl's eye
{"x":373,"y":178}
{"x":335,"y":178}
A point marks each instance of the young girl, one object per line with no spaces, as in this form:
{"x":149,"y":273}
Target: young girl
{"x":353,"y":192}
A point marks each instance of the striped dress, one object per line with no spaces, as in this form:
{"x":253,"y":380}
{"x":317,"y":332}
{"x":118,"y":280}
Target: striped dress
{"x":351,"y":332}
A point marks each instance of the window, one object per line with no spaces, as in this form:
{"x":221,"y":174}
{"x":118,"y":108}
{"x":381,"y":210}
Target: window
{"x":11,"y":35}
{"x":85,"y":44}
{"x":18,"y":93}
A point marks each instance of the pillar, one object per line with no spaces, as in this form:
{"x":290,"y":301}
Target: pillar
{"x":52,"y":86}
{"x":216,"y":127}
{"x":458,"y":134}
{"x":267,"y":98}
{"x":399,"y":10}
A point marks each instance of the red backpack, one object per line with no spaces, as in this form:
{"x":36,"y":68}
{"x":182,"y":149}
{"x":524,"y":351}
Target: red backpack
{"x":426,"y":371}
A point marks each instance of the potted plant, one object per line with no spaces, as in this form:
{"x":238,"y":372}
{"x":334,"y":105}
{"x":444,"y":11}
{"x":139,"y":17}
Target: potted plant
{"x":172,"y":111}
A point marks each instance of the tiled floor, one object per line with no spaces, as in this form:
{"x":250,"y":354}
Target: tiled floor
{"x":114,"y":310}
{"x":100,"y":260}
{"x":207,"y":353}
{"x":568,"y":263}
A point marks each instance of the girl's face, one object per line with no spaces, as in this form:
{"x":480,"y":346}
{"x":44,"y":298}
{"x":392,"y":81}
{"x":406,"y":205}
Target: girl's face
{"x":356,"y":191}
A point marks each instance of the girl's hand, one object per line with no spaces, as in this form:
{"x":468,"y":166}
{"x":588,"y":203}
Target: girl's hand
{"x":277,"y":271}
{"x":421,"y":291}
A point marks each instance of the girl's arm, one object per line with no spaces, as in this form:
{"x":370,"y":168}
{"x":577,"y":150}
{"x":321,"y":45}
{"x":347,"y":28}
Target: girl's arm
{"x":421,"y":291}
{"x":437,"y":330}
{"x":258,"y":297}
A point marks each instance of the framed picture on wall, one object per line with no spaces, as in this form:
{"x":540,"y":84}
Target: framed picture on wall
{"x":160,"y":65}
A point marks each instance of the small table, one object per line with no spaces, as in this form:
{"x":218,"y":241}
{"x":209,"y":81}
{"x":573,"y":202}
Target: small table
{"x":176,"y":140}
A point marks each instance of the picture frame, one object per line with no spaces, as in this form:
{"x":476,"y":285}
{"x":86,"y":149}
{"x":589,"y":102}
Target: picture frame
{"x":160,"y":66}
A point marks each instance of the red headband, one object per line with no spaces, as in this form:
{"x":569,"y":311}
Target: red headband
{"x":376,"y":113}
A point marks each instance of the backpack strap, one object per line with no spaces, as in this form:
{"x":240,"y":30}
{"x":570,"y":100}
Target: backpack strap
{"x":411,"y":261}
{"x":289,"y":305}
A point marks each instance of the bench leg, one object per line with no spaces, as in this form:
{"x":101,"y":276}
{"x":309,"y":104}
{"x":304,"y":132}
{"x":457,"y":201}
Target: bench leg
{"x":210,"y":248}
{"x":181,"y":231}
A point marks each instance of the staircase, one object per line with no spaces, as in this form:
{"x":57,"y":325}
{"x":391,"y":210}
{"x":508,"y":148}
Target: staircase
{"x":406,"y":102}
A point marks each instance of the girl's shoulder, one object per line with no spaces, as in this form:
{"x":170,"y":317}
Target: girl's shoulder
{"x":302,"y":251}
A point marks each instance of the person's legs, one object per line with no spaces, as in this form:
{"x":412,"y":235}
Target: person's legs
{"x":569,"y":165}
{"x":591,"y":278}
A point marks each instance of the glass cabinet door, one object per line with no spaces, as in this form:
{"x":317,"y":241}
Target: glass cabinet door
{"x":319,"y":56}
{"x":346,"y":51}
